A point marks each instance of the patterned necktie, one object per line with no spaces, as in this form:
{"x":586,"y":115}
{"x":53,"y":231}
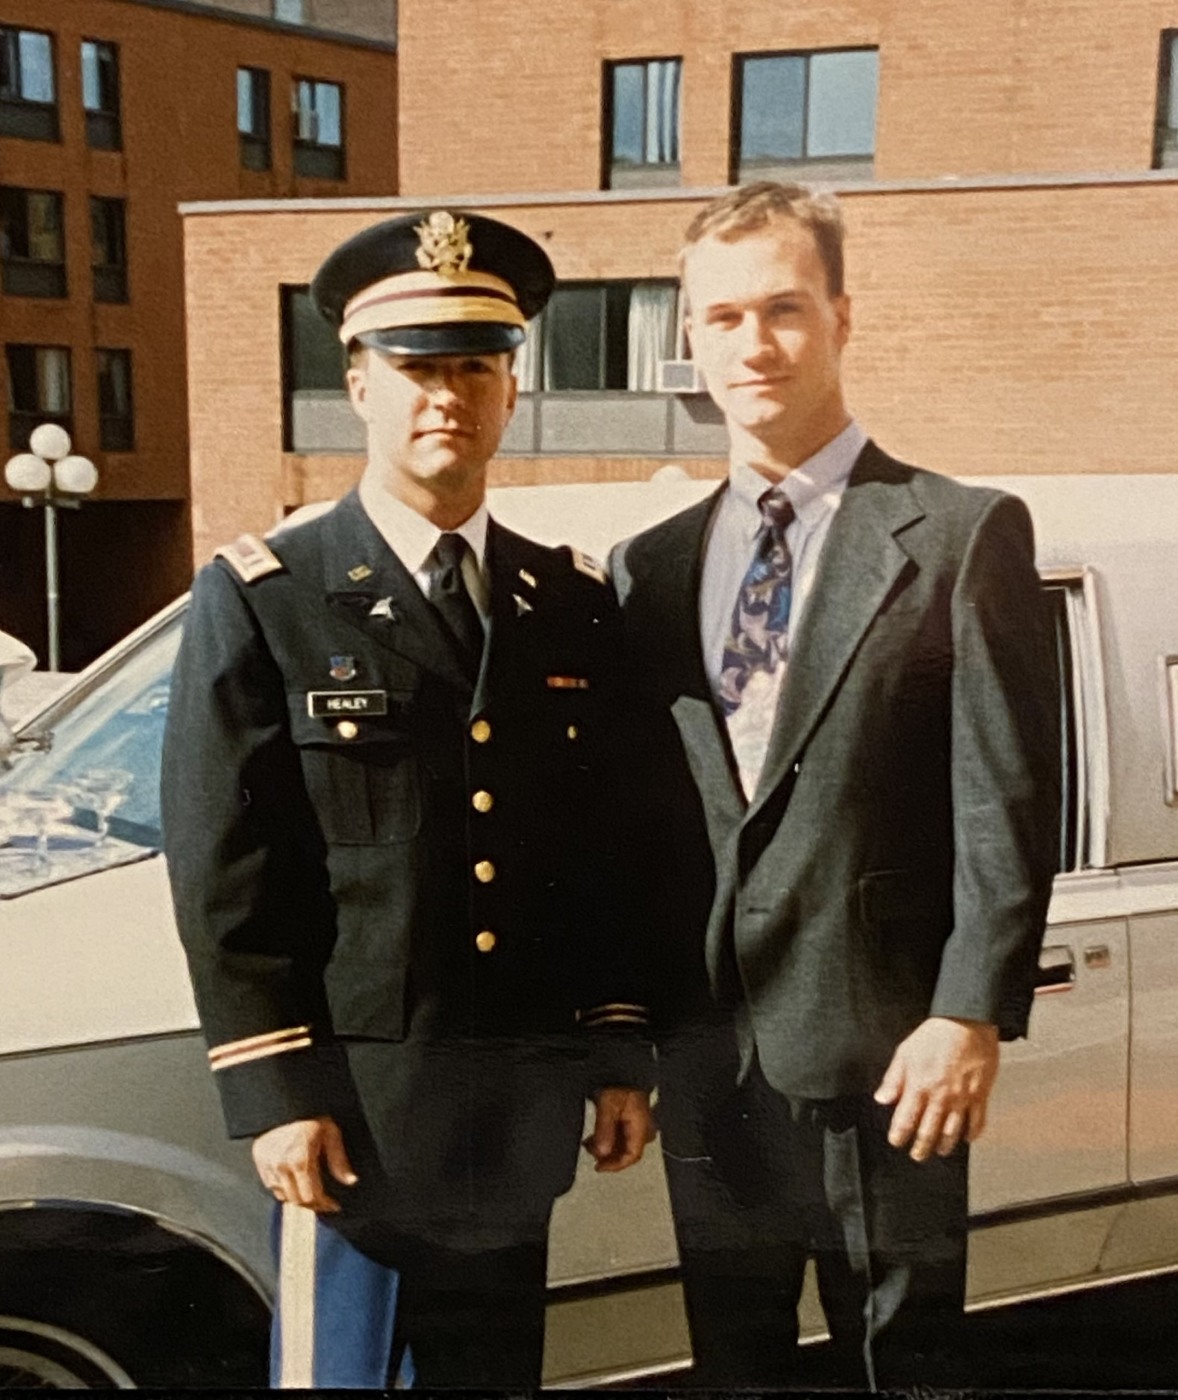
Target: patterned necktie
{"x":758,"y":639}
{"x":448,"y":593}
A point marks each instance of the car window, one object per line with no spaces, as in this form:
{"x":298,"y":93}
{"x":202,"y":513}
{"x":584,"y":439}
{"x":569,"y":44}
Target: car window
{"x":100,"y":777}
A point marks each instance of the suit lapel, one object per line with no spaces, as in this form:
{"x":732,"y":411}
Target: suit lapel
{"x":667,"y":638}
{"x":384,"y":602}
{"x":860,"y":563}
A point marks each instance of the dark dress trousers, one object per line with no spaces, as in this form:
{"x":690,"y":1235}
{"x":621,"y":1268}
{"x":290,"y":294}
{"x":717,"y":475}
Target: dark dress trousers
{"x":402,"y":894}
{"x":894,"y":862}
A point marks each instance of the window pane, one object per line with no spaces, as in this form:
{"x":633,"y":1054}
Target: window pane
{"x":106,"y":228}
{"x":91,"y":88}
{"x":36,"y":67}
{"x":662,"y":111}
{"x":842,"y":103}
{"x":1172,"y":105}
{"x":45,"y":240}
{"x":629,"y":113}
{"x":574,"y":325}
{"x":9,"y":64}
{"x":316,"y":355}
{"x":290,"y":11}
{"x":772,"y":113}
{"x":114,"y":383}
{"x":327,"y":105}
{"x":245,"y":110}
{"x":53,"y":380}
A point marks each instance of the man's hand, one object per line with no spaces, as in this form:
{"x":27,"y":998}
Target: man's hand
{"x":940,"y":1080}
{"x":623,"y":1126}
{"x":289,"y":1158}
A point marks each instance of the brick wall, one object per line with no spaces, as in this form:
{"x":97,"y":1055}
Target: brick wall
{"x":996,"y":330}
{"x":508,"y":98}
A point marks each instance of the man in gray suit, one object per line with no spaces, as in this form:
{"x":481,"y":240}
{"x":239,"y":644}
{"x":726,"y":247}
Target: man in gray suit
{"x":851,"y":682}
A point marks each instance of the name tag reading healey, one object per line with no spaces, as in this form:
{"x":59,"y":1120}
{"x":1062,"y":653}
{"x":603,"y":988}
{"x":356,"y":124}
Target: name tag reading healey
{"x":330,"y":704}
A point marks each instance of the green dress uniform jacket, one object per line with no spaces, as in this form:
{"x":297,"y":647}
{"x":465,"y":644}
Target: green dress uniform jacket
{"x":402,"y":894}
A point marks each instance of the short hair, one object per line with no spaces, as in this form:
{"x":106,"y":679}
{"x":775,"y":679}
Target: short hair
{"x":752,"y":207}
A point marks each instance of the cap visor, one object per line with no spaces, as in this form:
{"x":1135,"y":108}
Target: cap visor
{"x":450,"y":338}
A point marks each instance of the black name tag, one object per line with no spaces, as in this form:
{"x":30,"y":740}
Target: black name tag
{"x":335,"y":704}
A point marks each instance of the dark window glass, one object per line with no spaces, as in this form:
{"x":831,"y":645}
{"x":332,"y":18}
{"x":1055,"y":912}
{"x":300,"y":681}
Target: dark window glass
{"x":32,"y":243}
{"x":100,"y":94}
{"x":643,"y":126}
{"x":601,"y":336}
{"x":28,"y":93}
{"x":108,"y":237}
{"x":319,"y":129}
{"x":116,"y":417}
{"x":1165,"y":155}
{"x":253,"y":117}
{"x":312,"y":357}
{"x":807,"y":107}
{"x":289,"y":11}
{"x":38,"y":390}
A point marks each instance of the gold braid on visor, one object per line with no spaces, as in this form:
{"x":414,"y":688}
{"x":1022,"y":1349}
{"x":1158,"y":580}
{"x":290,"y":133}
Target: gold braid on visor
{"x":430,"y":299}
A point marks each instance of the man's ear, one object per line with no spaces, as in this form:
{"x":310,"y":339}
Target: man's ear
{"x":842,"y":311}
{"x":357,"y":382}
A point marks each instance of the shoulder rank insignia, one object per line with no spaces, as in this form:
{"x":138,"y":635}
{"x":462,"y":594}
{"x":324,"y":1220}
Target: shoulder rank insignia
{"x":251,"y":558}
{"x":585,"y":565}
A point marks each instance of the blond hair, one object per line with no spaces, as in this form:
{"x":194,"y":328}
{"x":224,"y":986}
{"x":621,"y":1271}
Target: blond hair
{"x":753,"y":207}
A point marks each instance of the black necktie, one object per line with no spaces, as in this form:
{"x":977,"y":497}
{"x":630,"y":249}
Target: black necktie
{"x":448,"y":593}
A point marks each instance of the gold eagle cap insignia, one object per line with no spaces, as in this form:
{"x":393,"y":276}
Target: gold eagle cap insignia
{"x":445,"y":244}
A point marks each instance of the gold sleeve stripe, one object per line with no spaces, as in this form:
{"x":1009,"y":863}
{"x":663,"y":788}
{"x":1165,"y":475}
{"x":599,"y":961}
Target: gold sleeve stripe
{"x":616,"y":1018}
{"x":243,"y":1057}
{"x":615,"y":1006}
{"x":231,"y":1047}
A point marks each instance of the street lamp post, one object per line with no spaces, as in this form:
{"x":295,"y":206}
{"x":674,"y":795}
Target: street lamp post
{"x":50,"y":471}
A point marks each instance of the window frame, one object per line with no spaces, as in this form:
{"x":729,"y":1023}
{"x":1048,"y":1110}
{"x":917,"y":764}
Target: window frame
{"x":255,"y":146}
{"x":1165,"y":135}
{"x":28,"y":118}
{"x":116,"y":430}
{"x":110,"y":280}
{"x":616,"y":174}
{"x":315,"y":159}
{"x":104,"y":125}
{"x":22,"y":421}
{"x":741,"y":171}
{"x":19,"y":275}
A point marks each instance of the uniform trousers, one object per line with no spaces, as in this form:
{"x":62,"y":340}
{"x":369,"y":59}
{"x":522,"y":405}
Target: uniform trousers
{"x":451,"y":1319}
{"x":759,"y":1183}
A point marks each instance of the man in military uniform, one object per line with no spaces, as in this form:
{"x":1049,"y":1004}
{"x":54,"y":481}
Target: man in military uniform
{"x":387,"y":802}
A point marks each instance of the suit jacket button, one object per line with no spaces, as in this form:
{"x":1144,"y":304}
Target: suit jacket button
{"x":347,"y":729}
{"x":480,"y":731}
{"x":485,"y":942}
{"x":572,"y":731}
{"x":482,"y":801}
{"x":484,"y":872}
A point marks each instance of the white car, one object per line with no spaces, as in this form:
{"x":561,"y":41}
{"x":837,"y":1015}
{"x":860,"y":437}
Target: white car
{"x":134,"y":1239}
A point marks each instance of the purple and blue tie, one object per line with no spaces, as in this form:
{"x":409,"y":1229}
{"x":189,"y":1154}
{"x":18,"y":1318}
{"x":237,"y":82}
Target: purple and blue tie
{"x":758,"y":639}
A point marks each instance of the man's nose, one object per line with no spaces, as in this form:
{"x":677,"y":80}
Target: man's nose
{"x":444,"y":384}
{"x":753,"y":338}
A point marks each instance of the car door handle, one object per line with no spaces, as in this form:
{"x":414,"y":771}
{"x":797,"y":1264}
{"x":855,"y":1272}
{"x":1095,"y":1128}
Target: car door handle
{"x":1057,"y":969}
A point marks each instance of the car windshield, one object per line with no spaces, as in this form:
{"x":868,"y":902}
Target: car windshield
{"x":91,"y":800}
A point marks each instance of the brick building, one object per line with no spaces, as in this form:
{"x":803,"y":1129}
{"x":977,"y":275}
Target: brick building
{"x":1006,"y":177}
{"x":112,"y":112}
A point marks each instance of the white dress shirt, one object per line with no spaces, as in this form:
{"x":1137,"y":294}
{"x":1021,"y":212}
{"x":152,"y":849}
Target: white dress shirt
{"x":412,"y":538}
{"x":815,"y":488}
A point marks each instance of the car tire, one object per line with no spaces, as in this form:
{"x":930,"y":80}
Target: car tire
{"x":38,"y":1356}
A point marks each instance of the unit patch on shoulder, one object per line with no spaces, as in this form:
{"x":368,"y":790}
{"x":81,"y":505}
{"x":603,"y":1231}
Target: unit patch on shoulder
{"x":251,"y":558}
{"x":586,"y":565}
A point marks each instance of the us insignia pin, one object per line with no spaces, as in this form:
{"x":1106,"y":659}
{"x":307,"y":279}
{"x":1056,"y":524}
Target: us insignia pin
{"x":522,"y":605}
{"x":343,"y":668}
{"x":383,"y":607}
{"x":360,"y":573}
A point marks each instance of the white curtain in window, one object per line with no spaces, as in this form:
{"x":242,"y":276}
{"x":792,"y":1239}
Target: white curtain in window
{"x":650,"y":332}
{"x":53,"y":380}
{"x":662,"y":111}
{"x":529,"y":365}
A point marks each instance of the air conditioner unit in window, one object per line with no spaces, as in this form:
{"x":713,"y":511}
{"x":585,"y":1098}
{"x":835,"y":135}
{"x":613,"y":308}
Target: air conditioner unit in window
{"x":679,"y":377}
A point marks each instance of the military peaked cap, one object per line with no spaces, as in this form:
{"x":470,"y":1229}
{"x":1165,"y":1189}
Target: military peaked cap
{"x":435,"y":283}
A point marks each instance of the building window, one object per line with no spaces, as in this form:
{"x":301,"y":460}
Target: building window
{"x":116,"y":418}
{"x":32,"y":243}
{"x":808,"y":110}
{"x":108,"y":241}
{"x":253,"y":117}
{"x":642,"y":123}
{"x":290,"y":11}
{"x":319,"y":129}
{"x":28,"y":95}
{"x":100,"y":95}
{"x":1165,"y":149}
{"x":38,"y":390}
{"x":598,"y":336}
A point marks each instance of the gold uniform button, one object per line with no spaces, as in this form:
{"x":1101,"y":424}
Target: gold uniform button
{"x":484,"y":872}
{"x":482,"y":801}
{"x":572,"y":731}
{"x":480,"y":731}
{"x":485,"y":942}
{"x":347,"y":729}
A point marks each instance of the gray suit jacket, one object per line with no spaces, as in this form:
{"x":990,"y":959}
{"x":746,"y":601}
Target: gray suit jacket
{"x":897,"y":856}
